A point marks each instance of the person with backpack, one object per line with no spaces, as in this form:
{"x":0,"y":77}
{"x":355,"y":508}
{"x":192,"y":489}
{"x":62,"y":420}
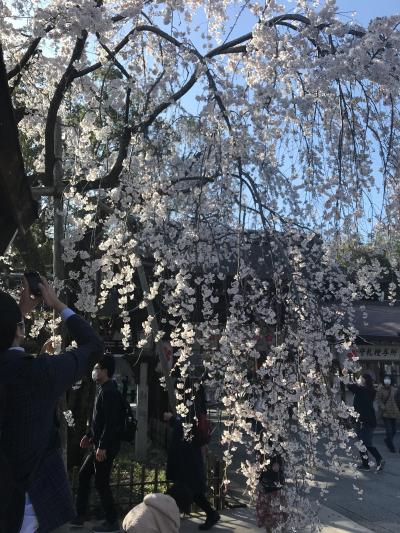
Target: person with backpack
{"x":185,"y":464}
{"x":364,"y":396}
{"x":103,"y":440}
{"x":387,"y":397}
{"x":34,"y":489}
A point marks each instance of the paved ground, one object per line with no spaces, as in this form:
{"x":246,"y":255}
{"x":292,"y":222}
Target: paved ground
{"x":379,"y":509}
{"x":243,"y":521}
{"x":377,"y":512}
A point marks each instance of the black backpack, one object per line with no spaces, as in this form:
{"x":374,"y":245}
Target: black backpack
{"x":128,"y":423}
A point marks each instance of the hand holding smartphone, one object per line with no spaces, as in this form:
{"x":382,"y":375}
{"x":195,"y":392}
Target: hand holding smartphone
{"x":37,"y":287}
{"x":33,"y":279}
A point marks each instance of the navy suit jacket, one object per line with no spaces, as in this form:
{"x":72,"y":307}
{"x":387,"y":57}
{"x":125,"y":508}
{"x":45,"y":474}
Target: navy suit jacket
{"x":31,"y":389}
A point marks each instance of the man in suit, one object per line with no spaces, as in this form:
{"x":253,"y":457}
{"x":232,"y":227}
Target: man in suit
{"x":104,"y":441}
{"x":33,"y":479}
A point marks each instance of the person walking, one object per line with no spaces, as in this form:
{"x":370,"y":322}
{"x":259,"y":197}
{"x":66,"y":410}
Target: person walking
{"x":386,"y":399}
{"x":185,"y":464}
{"x":103,"y":441}
{"x":364,"y":396}
{"x":34,"y":488}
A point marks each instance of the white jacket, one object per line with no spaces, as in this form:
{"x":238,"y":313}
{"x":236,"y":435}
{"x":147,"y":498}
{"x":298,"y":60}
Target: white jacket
{"x":157,"y":514}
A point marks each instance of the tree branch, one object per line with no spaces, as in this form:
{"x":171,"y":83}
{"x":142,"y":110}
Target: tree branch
{"x":283,"y":20}
{"x":65,"y":82}
{"x":218,"y":99}
{"x":230,"y":47}
{"x":30,"y":52}
{"x":172,"y":100}
{"x":111,"y":179}
{"x":111,"y":55}
{"x":233,"y":46}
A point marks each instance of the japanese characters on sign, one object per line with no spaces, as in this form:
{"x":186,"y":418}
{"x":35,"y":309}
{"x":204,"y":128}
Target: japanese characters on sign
{"x":379,"y":352}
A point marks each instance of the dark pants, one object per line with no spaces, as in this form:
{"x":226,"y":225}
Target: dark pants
{"x":365,"y":433}
{"x":201,"y":501}
{"x":101,"y":472}
{"x":390,"y":427}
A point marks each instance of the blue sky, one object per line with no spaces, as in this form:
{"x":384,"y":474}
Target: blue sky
{"x":367,"y":9}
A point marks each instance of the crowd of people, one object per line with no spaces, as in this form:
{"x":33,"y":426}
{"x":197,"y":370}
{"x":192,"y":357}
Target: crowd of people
{"x":34,"y":489}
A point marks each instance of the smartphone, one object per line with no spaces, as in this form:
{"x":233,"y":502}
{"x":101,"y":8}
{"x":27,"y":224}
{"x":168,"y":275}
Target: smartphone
{"x":34,"y":279}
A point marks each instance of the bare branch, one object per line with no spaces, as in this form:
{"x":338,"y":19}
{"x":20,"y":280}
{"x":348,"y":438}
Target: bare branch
{"x":87,"y":70}
{"x":235,"y":50}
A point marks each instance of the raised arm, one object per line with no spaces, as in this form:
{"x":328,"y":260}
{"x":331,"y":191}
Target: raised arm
{"x":67,"y":368}
{"x":353,"y":387}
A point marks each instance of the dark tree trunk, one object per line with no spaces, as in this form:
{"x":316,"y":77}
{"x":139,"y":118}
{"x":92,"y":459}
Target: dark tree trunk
{"x":17,"y":208}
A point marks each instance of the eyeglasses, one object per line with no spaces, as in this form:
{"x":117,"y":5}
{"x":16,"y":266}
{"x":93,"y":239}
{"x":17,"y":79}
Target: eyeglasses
{"x":21,"y":324}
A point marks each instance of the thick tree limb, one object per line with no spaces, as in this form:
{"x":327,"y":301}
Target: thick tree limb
{"x":65,"y":82}
{"x":17,"y":208}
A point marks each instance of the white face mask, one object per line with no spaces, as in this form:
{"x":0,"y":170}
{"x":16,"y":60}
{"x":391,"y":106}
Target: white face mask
{"x":361,"y":381}
{"x":95,"y":374}
{"x":387,"y":381}
{"x":20,"y":333}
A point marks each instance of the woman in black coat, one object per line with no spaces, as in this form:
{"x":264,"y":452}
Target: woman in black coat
{"x":364,"y":396}
{"x":185,"y":465}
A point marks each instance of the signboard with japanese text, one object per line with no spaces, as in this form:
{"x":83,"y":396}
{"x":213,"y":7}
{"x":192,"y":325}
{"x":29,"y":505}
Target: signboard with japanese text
{"x":376,"y":352}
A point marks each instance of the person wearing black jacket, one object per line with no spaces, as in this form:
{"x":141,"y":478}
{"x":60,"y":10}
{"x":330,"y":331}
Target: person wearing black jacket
{"x":104,"y":441}
{"x":185,"y":463}
{"x":34,"y":488}
{"x":364,"y":396}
